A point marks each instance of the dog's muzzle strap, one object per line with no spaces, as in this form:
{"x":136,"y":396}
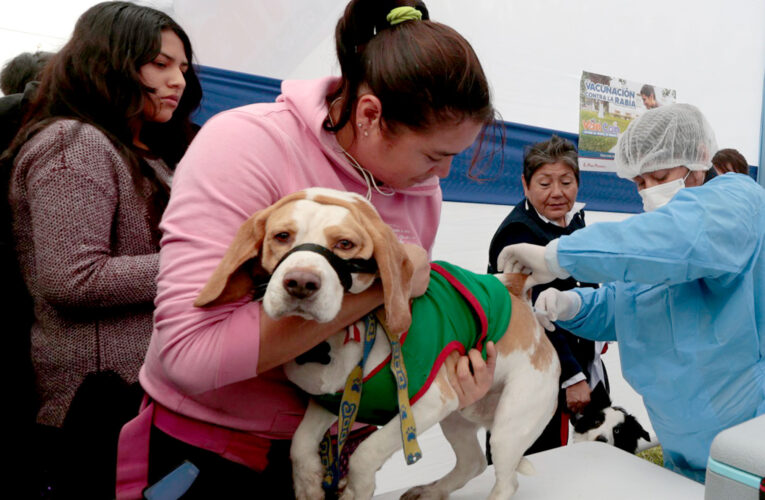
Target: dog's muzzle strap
{"x":342,"y":267}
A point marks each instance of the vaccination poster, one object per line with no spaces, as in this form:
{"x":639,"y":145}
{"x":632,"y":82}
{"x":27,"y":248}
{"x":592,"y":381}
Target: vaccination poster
{"x":607,"y":105}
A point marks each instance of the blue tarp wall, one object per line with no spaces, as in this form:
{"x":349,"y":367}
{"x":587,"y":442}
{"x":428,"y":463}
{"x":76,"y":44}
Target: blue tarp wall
{"x":500,"y":184}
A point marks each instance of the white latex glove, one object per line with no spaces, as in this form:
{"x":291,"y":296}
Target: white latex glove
{"x":527,"y":259}
{"x":553,"y":305}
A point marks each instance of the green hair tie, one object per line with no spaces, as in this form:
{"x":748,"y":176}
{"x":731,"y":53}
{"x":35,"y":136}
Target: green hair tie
{"x":401,"y":14}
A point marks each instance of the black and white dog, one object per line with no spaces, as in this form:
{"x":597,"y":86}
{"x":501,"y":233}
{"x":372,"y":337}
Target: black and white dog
{"x":610,"y":424}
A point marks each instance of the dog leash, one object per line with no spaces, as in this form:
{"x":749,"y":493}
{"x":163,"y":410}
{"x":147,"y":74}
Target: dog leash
{"x":349,"y":405}
{"x":412,"y":451}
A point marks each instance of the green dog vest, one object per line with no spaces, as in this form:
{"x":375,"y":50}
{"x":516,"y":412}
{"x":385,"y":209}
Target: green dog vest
{"x":460,"y":310}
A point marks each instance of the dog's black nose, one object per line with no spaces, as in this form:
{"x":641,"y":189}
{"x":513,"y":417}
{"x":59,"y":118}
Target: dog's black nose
{"x":301,"y":284}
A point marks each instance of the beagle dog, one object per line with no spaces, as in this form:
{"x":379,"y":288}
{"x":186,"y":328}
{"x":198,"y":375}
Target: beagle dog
{"x":310,"y":248}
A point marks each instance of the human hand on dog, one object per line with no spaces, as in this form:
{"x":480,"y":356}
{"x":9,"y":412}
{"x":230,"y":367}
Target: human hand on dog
{"x":527,"y":259}
{"x":578,"y":396}
{"x":553,"y":305}
{"x":472,"y":385}
{"x":421,"y":274}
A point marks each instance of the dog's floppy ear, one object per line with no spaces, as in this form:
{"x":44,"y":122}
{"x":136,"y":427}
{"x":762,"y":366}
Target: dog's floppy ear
{"x":394,"y":266}
{"x":233,"y":278}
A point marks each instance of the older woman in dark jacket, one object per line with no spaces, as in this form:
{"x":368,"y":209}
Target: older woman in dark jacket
{"x":549,"y":210}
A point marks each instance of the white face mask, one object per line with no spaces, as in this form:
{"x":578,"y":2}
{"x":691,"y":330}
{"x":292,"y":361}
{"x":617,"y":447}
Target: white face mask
{"x":658,"y":196}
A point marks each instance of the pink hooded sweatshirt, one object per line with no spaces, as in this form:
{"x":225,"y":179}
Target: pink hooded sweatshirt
{"x":202,"y":362}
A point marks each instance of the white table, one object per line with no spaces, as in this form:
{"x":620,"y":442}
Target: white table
{"x":587,"y":471}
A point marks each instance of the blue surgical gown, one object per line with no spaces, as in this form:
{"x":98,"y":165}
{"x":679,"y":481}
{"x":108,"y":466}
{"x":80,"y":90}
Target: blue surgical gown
{"x":685,"y":299}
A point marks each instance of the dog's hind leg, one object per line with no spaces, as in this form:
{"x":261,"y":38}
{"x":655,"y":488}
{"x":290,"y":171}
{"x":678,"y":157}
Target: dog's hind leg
{"x":461,"y":434}
{"x":522,"y":413}
{"x":433,"y":407}
{"x":307,"y":470}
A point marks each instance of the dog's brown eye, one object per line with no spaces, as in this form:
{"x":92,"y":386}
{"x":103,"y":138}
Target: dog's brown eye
{"x":344,"y":245}
{"x":282,"y":237}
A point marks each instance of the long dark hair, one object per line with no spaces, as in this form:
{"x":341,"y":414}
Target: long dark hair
{"x":423,"y":72}
{"x":95,"y":79}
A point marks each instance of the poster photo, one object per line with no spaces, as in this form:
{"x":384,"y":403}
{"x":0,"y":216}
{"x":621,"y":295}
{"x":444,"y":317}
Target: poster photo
{"x":607,"y":105}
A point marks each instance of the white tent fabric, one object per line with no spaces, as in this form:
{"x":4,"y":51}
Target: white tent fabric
{"x":712,"y":53}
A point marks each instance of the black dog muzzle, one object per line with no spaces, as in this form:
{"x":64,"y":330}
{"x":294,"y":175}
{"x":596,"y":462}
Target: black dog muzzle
{"x":342,"y":267}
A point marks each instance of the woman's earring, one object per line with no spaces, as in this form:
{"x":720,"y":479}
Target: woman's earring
{"x":366,"y":133}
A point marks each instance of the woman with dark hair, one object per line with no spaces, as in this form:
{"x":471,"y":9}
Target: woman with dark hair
{"x":411,"y":96}
{"x":549,"y":210}
{"x":729,"y":160}
{"x":87,"y":190}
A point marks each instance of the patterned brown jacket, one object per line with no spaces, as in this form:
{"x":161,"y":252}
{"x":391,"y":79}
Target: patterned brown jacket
{"x":84,"y":243}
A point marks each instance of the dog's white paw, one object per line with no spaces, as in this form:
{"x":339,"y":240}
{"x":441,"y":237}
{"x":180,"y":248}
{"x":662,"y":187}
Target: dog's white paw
{"x":425,"y":492}
{"x":505,"y":487}
{"x":307,"y":491}
{"x":307,"y":479}
{"x":355,"y":491}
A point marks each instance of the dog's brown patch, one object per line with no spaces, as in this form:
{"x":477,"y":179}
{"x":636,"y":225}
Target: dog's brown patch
{"x":543,"y":354}
{"x":281,"y":219}
{"x":364,"y":247}
{"x":514,"y":282}
{"x":442,"y":378}
{"x":521,"y":335}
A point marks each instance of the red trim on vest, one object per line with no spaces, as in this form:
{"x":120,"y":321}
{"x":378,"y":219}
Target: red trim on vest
{"x":385,"y":361}
{"x":470,"y":298}
{"x":473,"y":302}
{"x":451,"y":346}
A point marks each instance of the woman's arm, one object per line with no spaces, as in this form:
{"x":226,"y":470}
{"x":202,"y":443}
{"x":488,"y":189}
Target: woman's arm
{"x":73,"y":196}
{"x":704,"y":232}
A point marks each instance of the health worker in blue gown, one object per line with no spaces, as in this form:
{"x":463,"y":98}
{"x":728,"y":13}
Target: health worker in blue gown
{"x":684,"y":292}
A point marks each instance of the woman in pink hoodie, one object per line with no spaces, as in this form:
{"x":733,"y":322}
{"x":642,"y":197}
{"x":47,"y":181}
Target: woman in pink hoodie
{"x":412,"y":95}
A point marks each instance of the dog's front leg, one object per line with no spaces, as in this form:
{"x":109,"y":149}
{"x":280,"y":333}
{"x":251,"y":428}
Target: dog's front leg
{"x":307,"y":470}
{"x":372,"y":453}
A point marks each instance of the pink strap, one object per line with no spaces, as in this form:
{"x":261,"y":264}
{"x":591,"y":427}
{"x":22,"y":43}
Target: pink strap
{"x":133,"y":449}
{"x":133,"y":454}
{"x":237,"y":446}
